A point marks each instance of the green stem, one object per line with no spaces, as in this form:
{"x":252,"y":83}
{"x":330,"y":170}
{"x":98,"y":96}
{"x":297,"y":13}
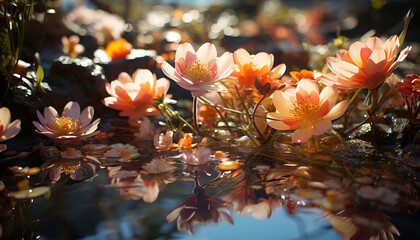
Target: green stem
{"x":354,"y":96}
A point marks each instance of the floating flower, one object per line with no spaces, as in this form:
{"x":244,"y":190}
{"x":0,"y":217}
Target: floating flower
{"x":8,"y":129}
{"x":134,"y":96}
{"x":200,"y":208}
{"x":71,"y":124}
{"x":201,"y":156}
{"x":411,"y":86}
{"x":198,"y":71}
{"x":365,"y":65}
{"x":306,"y":110}
{"x":248,"y":67}
{"x":71,"y":46}
{"x":162,"y":141}
{"x":186,"y":141}
{"x":124,"y":152}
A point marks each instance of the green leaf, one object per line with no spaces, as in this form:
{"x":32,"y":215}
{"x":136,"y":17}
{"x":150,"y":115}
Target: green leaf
{"x":401,"y":37}
{"x":39,"y":74}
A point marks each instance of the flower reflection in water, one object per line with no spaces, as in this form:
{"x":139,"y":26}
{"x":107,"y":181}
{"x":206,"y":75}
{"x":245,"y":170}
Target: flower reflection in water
{"x":250,"y":198}
{"x":71,"y":163}
{"x":200,"y":208}
{"x":362,"y":223}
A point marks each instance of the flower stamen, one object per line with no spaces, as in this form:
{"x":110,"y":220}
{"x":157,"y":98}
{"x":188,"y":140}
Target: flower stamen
{"x":196,"y":70}
{"x":305,"y":111}
{"x":65,"y":125}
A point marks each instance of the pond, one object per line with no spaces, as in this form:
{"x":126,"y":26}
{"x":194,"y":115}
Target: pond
{"x":271,"y":120}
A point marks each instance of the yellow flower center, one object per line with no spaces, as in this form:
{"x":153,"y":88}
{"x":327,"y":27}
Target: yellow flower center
{"x":69,"y":168}
{"x":65,"y":125}
{"x":196,"y":70}
{"x":125,"y":153}
{"x":305,"y":111}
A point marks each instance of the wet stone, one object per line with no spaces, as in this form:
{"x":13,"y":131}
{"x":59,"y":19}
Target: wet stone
{"x":76,"y":79}
{"x":359,"y":151}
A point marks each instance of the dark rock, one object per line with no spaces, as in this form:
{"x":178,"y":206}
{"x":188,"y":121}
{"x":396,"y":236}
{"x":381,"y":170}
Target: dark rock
{"x":74,"y":79}
{"x":23,"y":105}
{"x":359,"y":151}
{"x":137,"y":59}
{"x":380,"y":136}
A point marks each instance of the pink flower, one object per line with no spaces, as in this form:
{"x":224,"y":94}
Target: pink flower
{"x":306,"y":110}
{"x":72,"y":123}
{"x":201,"y":156}
{"x":162,"y":141}
{"x":199,"y":71}
{"x":7,"y":130}
{"x":124,"y":152}
{"x":134,"y":96}
{"x":365,"y":65}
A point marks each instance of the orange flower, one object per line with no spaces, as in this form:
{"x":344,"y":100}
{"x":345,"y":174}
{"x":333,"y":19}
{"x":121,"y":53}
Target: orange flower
{"x":365,"y":65}
{"x":185,"y":142}
{"x":313,"y":75}
{"x":118,"y":49}
{"x":208,"y":114}
{"x":249,"y":67}
{"x":134,"y":95}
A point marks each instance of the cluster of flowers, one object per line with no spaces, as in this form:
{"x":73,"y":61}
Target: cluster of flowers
{"x":306,"y":102}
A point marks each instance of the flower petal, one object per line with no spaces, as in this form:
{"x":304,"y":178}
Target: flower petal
{"x":207,"y":54}
{"x":241,"y":57}
{"x":341,"y":68}
{"x":12,"y":130}
{"x":306,"y":88}
{"x":321,"y":127}
{"x":4,"y":116}
{"x":376,"y":61}
{"x":170,"y":72}
{"x":374,"y":43}
{"x":302,"y":134}
{"x":86,"y":116}
{"x":183,"y":50}
{"x":330,"y":94}
{"x":283,"y":104}
{"x":263,"y":61}
{"x":337,"y":111}
{"x":277,"y":124}
{"x":50,"y":114}
{"x":224,"y":67}
{"x":72,"y":110}
{"x":355,"y":51}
